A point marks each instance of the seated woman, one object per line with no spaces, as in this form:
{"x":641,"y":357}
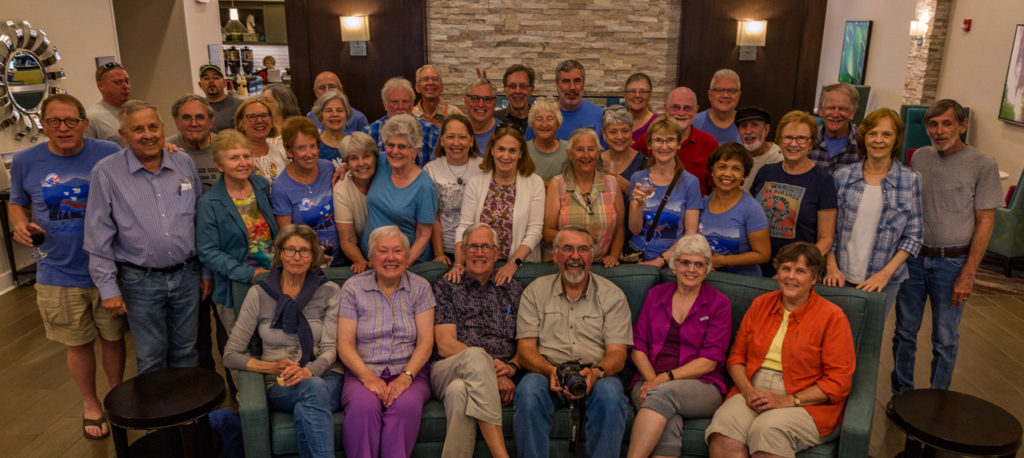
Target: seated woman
{"x":732,"y":220}
{"x":620,"y":159}
{"x":254,"y":119}
{"x":779,"y":410}
{"x":638,"y":101}
{"x":798,"y":197}
{"x":584,"y":195}
{"x":235,"y":225}
{"x":360,"y":153}
{"x":679,"y":345}
{"x":546,"y":151}
{"x":332,"y":110}
{"x":879,"y":222}
{"x":665,"y":203}
{"x":294,"y":311}
{"x":402,"y":195}
{"x":386,"y":325}
{"x":458,"y":161}
{"x":303,"y":195}
{"x":509,"y":197}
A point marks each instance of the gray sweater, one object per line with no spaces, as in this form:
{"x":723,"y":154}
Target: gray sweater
{"x":257,"y":311}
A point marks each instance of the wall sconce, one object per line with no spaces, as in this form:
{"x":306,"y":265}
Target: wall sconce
{"x":356,"y":31}
{"x":749,"y":36}
{"x":918,"y":29}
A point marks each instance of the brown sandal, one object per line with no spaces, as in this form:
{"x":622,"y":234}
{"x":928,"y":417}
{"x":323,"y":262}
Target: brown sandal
{"x":98,"y":422}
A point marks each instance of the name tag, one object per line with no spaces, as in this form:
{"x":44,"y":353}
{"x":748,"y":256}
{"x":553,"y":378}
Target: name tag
{"x":185,"y":185}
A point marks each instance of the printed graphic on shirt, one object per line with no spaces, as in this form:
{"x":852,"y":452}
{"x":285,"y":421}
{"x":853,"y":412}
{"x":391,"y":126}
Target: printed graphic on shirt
{"x":723,"y":240}
{"x":65,"y":198}
{"x":668,"y":223}
{"x":781,"y":204}
{"x":449,"y":199}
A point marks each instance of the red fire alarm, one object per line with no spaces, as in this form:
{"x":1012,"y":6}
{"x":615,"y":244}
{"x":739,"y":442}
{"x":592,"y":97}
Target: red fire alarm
{"x":967,"y":25}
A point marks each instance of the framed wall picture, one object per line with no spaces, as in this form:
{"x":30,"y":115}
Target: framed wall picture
{"x":856,"y":38}
{"x":1011,"y":109}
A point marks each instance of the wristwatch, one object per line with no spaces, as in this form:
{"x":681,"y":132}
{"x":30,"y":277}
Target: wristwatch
{"x":600,"y":369}
{"x":518,"y":262}
{"x":796,"y":401}
{"x":409,"y":373}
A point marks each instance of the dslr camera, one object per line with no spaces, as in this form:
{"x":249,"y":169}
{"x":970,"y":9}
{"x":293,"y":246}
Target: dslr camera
{"x":568,"y":374}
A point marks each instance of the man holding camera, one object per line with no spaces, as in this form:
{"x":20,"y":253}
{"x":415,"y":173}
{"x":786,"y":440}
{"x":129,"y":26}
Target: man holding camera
{"x":566,"y":318}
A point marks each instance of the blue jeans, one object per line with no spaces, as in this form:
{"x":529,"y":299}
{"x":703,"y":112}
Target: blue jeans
{"x":605,"y":416}
{"x":932,"y":278}
{"x":311,"y":403}
{"x":162,"y":315}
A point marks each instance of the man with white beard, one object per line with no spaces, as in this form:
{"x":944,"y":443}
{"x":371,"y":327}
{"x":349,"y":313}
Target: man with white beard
{"x":753,"y":124}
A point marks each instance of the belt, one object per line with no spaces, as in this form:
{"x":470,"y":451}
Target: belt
{"x":162,"y":270}
{"x":947,"y":252}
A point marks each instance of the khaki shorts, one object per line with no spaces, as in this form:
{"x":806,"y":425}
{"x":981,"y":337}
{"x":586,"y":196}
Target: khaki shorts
{"x":73,"y":316}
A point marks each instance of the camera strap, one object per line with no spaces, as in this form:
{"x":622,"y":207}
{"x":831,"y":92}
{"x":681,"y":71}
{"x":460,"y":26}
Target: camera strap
{"x":575,"y":421}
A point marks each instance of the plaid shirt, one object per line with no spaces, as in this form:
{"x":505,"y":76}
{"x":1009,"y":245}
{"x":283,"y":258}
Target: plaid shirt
{"x":899,"y":228}
{"x":442,"y":112}
{"x":431,"y":134}
{"x":820,"y":152}
{"x":485,"y":315}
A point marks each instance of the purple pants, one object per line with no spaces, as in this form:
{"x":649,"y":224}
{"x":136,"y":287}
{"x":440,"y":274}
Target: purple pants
{"x":366,"y":419}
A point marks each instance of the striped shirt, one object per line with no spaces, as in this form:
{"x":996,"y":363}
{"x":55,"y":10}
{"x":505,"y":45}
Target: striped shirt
{"x":431,"y":134}
{"x":899,"y":228}
{"x":386,"y":327}
{"x":594,"y":211}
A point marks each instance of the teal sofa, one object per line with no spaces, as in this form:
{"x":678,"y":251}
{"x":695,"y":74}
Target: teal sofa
{"x":271,"y":434}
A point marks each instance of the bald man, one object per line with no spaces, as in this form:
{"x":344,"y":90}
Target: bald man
{"x":696,"y":146}
{"x":326,"y":81}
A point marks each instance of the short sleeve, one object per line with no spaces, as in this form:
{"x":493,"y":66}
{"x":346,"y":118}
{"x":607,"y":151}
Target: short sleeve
{"x":989,"y":191}
{"x":342,"y":209}
{"x":279,"y":198}
{"x":444,"y":312}
{"x":348,"y":306}
{"x":827,"y":190}
{"x":528,"y":319}
{"x":753,"y":215}
{"x":691,"y":192}
{"x":424,"y":297}
{"x":618,"y":327}
{"x":19,"y":195}
{"x":426,"y":208}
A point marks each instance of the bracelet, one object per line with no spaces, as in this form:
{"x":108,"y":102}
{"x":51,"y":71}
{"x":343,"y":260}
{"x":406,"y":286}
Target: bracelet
{"x":671,"y":376}
{"x":514,"y":366}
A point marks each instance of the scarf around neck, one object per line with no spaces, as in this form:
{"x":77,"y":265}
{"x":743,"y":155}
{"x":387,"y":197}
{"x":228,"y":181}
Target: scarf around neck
{"x":288,"y":315}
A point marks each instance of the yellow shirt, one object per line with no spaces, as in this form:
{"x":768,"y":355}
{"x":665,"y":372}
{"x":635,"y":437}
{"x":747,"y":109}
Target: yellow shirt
{"x":773,"y":360}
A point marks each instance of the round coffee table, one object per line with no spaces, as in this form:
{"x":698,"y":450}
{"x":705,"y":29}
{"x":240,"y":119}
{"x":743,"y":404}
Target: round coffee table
{"x":160,"y":400}
{"x":953,"y":422}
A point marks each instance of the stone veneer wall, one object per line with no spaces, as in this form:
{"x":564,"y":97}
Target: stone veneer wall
{"x":924,"y":63}
{"x":611,"y":38}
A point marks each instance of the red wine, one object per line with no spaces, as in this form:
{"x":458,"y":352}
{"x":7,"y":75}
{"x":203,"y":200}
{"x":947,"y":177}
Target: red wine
{"x":38,"y":238}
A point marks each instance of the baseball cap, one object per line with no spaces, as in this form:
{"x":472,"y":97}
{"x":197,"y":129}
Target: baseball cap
{"x":206,"y":67}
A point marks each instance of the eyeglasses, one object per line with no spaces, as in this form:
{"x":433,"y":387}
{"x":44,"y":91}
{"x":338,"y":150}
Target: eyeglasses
{"x":481,"y":98}
{"x":802,"y":139}
{"x":430,"y":79}
{"x":108,"y":67}
{"x":397,"y":146}
{"x":664,"y":141}
{"x":682,"y":263}
{"x":302,"y":252}
{"x":581,"y":250}
{"x":474,"y":247}
{"x":255,"y":116}
{"x":724,"y":90}
{"x":54,"y":123}
{"x":638,"y":92}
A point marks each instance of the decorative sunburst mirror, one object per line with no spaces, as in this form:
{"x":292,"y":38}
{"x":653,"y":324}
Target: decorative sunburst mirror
{"x":29,"y":65}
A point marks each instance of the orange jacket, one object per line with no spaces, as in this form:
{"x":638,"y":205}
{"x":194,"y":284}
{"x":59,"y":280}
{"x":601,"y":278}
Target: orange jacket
{"x":817,"y":350}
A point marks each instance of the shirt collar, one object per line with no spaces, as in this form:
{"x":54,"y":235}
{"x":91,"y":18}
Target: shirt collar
{"x":134,"y":165}
{"x":799,"y":313}
{"x":558,"y":288}
{"x":370,"y":282}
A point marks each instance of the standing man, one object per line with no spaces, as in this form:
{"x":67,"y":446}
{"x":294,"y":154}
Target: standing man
{"x":576,"y":112}
{"x":518,"y":82}
{"x":475,"y":331}
{"x":397,"y":96}
{"x":696,"y":145}
{"x":195,"y":118}
{"x":480,"y":101}
{"x":211,"y":82}
{"x":431,"y":107}
{"x":326,"y":81}
{"x":573,"y":315}
{"x":724,"y":95}
{"x":753,"y":124}
{"x":115,"y":89}
{"x":140,"y":236}
{"x":837,"y":135}
{"x":959,"y":194}
{"x":49,"y":194}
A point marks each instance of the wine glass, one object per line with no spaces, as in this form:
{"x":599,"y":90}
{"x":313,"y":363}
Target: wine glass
{"x":38,"y":237}
{"x":293,"y":354}
{"x":647,"y":187}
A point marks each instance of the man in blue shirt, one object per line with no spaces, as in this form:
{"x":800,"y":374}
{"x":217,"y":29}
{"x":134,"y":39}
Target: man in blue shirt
{"x":140,"y":236}
{"x":837,"y":135}
{"x":49,"y":193}
{"x":397,"y":96}
{"x":724,"y":95}
{"x":576,"y":112}
{"x":326,"y":81}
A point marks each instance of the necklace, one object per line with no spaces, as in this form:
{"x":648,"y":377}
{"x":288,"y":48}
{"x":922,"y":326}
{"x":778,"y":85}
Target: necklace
{"x":458,"y":178}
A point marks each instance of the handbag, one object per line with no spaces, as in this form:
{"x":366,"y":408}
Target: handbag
{"x":632,"y":255}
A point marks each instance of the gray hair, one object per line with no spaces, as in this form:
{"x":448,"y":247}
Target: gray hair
{"x":546,"y":104}
{"x":333,"y":94}
{"x":387,"y":231}
{"x":481,"y":82}
{"x":577,"y":229}
{"x":725,"y":73}
{"x":639,"y":77}
{"x":420,"y":70}
{"x":567,"y":165}
{"x":845,"y":88}
{"x":944,"y":105}
{"x":357,"y":141}
{"x":692,"y":244}
{"x":287,"y":103}
{"x":472,"y":227}
{"x":569,"y":65}
{"x":616,"y":114}
{"x":188,"y":98}
{"x":395,"y":83}
{"x":403,"y":125}
{"x":135,"y":105}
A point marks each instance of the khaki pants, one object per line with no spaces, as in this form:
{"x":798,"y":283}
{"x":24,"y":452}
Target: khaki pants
{"x":467,"y":386}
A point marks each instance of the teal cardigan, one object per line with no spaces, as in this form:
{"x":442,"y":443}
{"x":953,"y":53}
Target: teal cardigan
{"x":222,"y":239}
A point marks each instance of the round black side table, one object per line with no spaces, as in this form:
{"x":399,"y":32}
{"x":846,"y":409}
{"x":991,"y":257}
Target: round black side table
{"x":178,"y":398}
{"x":953,"y":422}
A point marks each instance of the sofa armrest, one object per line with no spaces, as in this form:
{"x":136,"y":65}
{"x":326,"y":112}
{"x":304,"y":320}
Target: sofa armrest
{"x":855,"y":435}
{"x":255,"y":413}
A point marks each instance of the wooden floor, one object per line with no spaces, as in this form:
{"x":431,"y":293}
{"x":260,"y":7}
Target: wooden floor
{"x":40,"y":409}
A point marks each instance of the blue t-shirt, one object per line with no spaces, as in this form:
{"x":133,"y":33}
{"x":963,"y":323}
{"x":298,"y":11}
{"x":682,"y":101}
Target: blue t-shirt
{"x":704,"y":123}
{"x":330,"y":153}
{"x":404,"y":207}
{"x":727,"y":231}
{"x":312,"y":205}
{"x":587,"y":115}
{"x":792,"y":203}
{"x":685,"y":196}
{"x":835,"y":145}
{"x":57,"y":189}
{"x":483,"y":137}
